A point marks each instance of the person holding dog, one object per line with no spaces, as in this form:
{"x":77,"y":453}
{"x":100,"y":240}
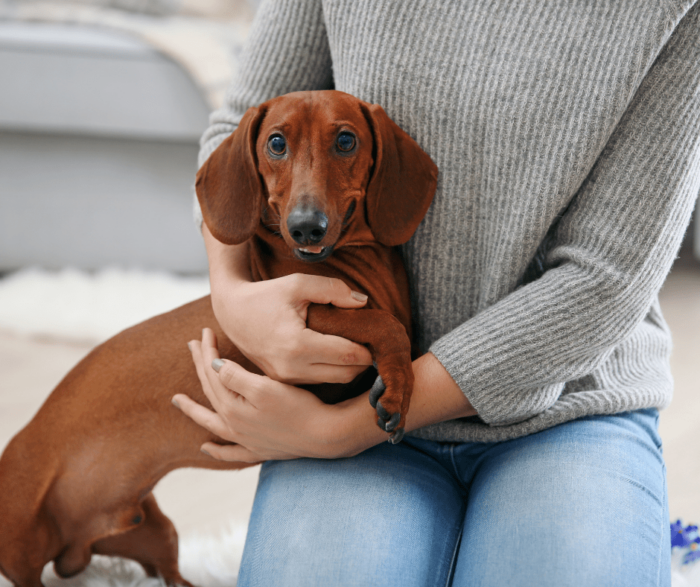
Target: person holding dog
{"x":567,"y":138}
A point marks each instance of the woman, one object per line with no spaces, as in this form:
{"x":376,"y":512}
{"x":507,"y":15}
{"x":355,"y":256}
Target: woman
{"x":567,"y":135}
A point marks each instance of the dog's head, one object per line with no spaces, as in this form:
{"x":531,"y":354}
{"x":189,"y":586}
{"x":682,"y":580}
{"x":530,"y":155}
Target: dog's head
{"x":314,"y":167}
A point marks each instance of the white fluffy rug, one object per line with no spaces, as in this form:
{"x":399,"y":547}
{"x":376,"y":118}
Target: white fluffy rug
{"x":205,"y":561}
{"x":76,"y":306}
{"x":684,"y":575}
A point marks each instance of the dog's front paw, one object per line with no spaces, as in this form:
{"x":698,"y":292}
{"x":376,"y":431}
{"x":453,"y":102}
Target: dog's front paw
{"x":393,"y":385}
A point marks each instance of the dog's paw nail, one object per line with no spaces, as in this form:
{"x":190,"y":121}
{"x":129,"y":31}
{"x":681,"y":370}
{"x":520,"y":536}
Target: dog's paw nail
{"x":393,"y":422}
{"x":381,"y":411}
{"x":397,"y":436}
{"x":377,"y":390}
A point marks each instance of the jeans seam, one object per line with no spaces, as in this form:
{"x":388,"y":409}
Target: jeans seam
{"x":458,"y":542}
{"x":455,"y":471}
{"x":664,"y":520}
{"x":453,"y":562}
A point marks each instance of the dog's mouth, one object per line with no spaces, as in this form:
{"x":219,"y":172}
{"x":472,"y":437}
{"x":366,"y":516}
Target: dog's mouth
{"x":313,"y":254}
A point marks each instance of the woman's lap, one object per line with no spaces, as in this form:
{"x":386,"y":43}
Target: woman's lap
{"x":349,"y":522}
{"x":579,"y":504}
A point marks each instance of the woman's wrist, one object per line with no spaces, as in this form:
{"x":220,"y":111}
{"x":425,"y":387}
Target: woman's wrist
{"x":351,"y":426}
{"x":228,"y":271}
{"x":436,"y":396}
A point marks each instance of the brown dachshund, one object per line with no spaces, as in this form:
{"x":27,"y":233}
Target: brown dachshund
{"x":314,"y":182}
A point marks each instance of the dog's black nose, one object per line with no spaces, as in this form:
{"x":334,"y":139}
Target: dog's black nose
{"x":307,"y":225}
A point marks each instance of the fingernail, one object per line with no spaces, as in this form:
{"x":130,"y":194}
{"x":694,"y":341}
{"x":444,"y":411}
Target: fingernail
{"x":205,"y":452}
{"x":216,"y":364}
{"x":189,"y":346}
{"x":360,"y":297}
{"x":177,"y":405}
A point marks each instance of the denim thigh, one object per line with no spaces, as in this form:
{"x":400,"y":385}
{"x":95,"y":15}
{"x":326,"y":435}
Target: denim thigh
{"x":390,"y":516}
{"x":583,"y":503}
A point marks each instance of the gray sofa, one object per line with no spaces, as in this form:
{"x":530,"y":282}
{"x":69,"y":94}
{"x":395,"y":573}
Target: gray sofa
{"x":98,"y":145}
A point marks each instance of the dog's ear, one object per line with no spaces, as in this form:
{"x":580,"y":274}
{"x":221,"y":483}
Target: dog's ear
{"x":229,"y":187}
{"x":403,"y":180}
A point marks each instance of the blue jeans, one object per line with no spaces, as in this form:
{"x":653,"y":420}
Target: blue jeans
{"x":583,"y":503}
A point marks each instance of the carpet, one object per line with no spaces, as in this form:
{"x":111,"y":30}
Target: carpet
{"x":205,"y":560}
{"x":79,"y":306}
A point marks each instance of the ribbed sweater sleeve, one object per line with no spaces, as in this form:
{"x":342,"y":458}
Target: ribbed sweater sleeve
{"x":287,"y":51}
{"x":608,"y":258}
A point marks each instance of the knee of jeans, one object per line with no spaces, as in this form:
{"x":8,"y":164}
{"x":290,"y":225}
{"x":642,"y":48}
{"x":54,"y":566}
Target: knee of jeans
{"x":371,"y":515}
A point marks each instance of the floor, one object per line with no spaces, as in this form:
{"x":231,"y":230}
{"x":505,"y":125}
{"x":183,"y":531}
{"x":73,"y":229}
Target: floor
{"x":208,"y":501}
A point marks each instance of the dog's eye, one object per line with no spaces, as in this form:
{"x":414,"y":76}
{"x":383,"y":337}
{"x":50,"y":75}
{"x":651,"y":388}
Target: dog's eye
{"x":277,"y":145}
{"x":346,"y":141}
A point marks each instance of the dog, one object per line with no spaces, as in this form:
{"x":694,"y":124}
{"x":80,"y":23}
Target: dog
{"x":313,"y":182}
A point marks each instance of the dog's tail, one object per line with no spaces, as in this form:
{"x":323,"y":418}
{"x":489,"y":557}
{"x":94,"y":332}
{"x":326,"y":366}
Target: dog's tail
{"x":28,"y":535}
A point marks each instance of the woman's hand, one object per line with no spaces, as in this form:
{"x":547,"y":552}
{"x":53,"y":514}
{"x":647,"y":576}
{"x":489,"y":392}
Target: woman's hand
{"x":266,"y":320}
{"x":267,"y":420}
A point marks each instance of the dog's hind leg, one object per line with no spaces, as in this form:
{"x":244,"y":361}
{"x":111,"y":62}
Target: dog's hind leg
{"x":30,"y":578}
{"x":153,"y":544}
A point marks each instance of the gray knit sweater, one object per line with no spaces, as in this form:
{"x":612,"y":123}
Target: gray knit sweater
{"x":567,"y":137}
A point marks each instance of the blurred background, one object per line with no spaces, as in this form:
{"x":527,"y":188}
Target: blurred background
{"x":102,"y":103}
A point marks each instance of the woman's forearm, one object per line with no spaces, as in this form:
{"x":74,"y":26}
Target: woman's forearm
{"x":226,"y":262}
{"x":436,"y":398}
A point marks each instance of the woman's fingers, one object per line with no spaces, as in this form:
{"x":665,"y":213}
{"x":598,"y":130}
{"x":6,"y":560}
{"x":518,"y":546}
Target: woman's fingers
{"x":333,"y":374}
{"x":202,"y":416}
{"x":333,"y":350}
{"x":200,"y":364}
{"x":205,"y":377}
{"x":325,"y":290}
{"x":320,"y":358}
{"x":266,"y":419}
{"x":270,"y":324}
{"x":226,"y":383}
{"x":248,"y":385}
